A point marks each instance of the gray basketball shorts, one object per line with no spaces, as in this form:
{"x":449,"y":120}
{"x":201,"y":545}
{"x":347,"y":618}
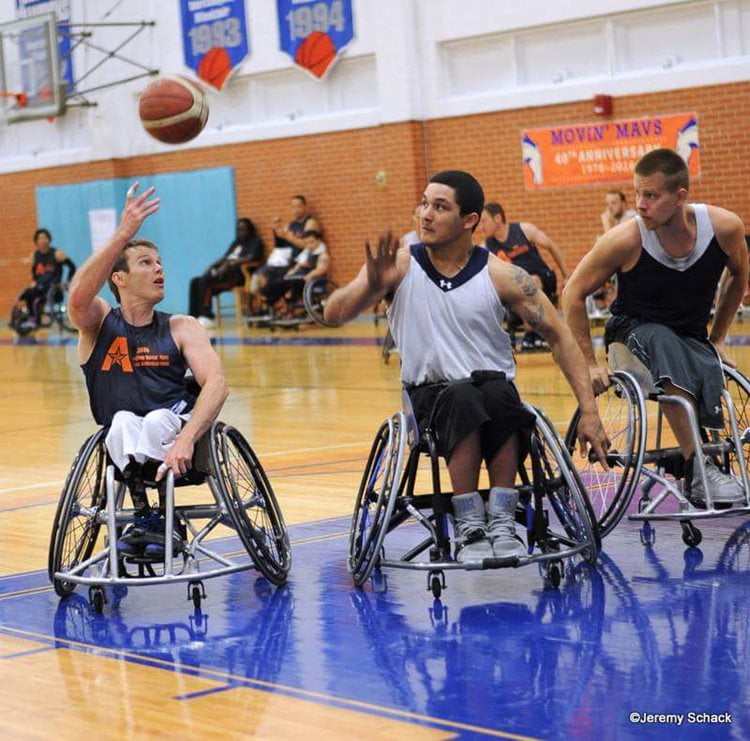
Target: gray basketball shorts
{"x":689,"y":363}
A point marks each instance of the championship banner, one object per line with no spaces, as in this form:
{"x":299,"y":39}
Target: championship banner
{"x":604,"y":152}
{"x":315,"y":32}
{"x":214,"y":38}
{"x":61,"y":9}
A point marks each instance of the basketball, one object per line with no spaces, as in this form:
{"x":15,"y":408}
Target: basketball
{"x":316,"y":53}
{"x":173,"y":110}
{"x":215,"y":67}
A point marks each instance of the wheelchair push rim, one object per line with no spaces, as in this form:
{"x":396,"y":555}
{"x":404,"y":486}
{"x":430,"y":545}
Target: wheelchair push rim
{"x":621,"y":409}
{"x":376,"y":498}
{"x":314,"y":296}
{"x":738,"y":387}
{"x":76,"y":525}
{"x":565,"y":492}
{"x":251,"y":502}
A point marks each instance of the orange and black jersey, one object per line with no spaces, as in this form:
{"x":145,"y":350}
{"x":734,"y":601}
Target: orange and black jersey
{"x":136,"y":369}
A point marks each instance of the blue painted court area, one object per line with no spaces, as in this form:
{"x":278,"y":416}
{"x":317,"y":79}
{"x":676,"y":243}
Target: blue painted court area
{"x":657,"y":629}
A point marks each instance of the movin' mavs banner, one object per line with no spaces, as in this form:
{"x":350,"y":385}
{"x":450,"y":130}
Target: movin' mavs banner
{"x":315,"y":32}
{"x":214,"y":38}
{"x":605,"y":151}
{"x":61,"y":9}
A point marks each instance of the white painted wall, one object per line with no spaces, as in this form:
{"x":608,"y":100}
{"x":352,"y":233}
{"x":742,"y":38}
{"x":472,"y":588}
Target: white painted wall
{"x":411,"y":59}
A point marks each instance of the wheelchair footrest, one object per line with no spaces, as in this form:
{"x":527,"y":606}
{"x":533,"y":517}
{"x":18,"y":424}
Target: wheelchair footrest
{"x":500,"y":562}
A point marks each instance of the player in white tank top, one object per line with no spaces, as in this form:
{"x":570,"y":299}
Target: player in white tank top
{"x":446,"y":318}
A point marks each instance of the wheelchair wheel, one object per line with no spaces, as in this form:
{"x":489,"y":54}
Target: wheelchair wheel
{"x":564,"y":491}
{"x":376,"y":498}
{"x":19,"y":322}
{"x":57,"y":308}
{"x":314,"y":296}
{"x":252,"y":504}
{"x":76,"y":528}
{"x":738,"y":387}
{"x":622,"y":411}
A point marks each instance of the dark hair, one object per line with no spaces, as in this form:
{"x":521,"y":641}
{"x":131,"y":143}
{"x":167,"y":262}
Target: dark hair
{"x":668,"y":163}
{"x":121,"y":263}
{"x":617,"y":193}
{"x":301,"y":198}
{"x":469,"y":193}
{"x":250,"y":227}
{"x":42,"y":231}
{"x":493,"y":208}
{"x":312,"y":233}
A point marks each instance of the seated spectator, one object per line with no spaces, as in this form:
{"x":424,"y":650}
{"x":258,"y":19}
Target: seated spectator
{"x":616,"y":210}
{"x":226,"y":273}
{"x":302,"y":221}
{"x":312,"y":262}
{"x":46,"y":271}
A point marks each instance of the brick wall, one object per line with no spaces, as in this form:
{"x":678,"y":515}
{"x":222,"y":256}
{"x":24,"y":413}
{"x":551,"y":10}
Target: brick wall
{"x":336,"y":171}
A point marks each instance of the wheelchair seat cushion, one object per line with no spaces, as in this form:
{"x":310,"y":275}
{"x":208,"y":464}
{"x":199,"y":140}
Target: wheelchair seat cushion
{"x":689,"y":363}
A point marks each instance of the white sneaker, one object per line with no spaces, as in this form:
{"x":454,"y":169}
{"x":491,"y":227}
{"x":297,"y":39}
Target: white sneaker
{"x":725,"y":488}
{"x":470,"y":523}
{"x":206,"y":322}
{"x":501,"y":509}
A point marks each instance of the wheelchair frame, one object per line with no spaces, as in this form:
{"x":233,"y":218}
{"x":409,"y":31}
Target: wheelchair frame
{"x":312,"y":305}
{"x":93,"y":496}
{"x":55,"y":311}
{"x":386,"y":500}
{"x":623,"y":410}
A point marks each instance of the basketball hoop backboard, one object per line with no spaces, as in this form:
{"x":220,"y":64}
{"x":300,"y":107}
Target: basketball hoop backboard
{"x":30,"y":66}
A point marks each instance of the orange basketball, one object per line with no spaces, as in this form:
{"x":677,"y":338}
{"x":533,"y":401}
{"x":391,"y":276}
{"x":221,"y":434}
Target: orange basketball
{"x":215,"y":67}
{"x":173,"y":110}
{"x":316,"y":53}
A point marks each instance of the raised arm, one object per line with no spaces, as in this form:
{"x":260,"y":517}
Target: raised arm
{"x":518,"y":290}
{"x":730,"y":232}
{"x":193,"y":342}
{"x":85,"y":307}
{"x":610,"y":253}
{"x":541,"y":240}
{"x":382,"y":271}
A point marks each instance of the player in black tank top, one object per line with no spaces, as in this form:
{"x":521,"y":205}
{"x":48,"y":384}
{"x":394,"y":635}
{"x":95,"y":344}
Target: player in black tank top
{"x":518,"y":243}
{"x":669,"y":260}
{"x":46,"y":270}
{"x":134,"y":360}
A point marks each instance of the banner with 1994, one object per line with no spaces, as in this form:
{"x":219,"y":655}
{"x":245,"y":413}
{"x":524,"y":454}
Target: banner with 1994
{"x":214,"y":38}
{"x":315,"y":32}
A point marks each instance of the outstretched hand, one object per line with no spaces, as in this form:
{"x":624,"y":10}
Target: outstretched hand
{"x":591,"y":433}
{"x":137,"y":209}
{"x":381,"y":266}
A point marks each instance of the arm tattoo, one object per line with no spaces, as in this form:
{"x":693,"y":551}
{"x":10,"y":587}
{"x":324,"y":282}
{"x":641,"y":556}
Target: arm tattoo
{"x":534,"y":316}
{"x":525,"y":282}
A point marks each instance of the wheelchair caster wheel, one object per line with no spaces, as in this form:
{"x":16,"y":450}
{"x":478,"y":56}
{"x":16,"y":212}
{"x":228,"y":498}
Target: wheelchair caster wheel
{"x":691,"y":536}
{"x":436,"y":583}
{"x":647,"y":534}
{"x":97,"y":599}
{"x":196,"y":593}
{"x":552,"y":574}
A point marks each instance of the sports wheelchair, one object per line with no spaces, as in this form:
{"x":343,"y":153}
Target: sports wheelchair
{"x":53,"y":312}
{"x":307,"y":309}
{"x":644,"y":458}
{"x":386,"y":500}
{"x":90,"y":517}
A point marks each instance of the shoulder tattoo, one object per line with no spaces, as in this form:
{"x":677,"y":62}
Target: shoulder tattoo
{"x":525,"y":282}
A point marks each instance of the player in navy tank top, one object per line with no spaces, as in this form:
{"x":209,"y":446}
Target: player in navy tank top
{"x":446,"y":318}
{"x":135,"y":358}
{"x":668,"y":260}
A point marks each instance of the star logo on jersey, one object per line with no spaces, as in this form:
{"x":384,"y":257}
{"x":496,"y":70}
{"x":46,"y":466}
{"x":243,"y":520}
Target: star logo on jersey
{"x":118,"y":355}
{"x":446,"y":285}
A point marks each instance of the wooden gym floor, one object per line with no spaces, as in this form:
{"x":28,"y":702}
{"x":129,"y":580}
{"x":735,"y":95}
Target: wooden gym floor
{"x":648,"y":631}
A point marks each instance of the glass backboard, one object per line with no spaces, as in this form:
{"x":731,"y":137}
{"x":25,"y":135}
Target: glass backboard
{"x":30,"y":70}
